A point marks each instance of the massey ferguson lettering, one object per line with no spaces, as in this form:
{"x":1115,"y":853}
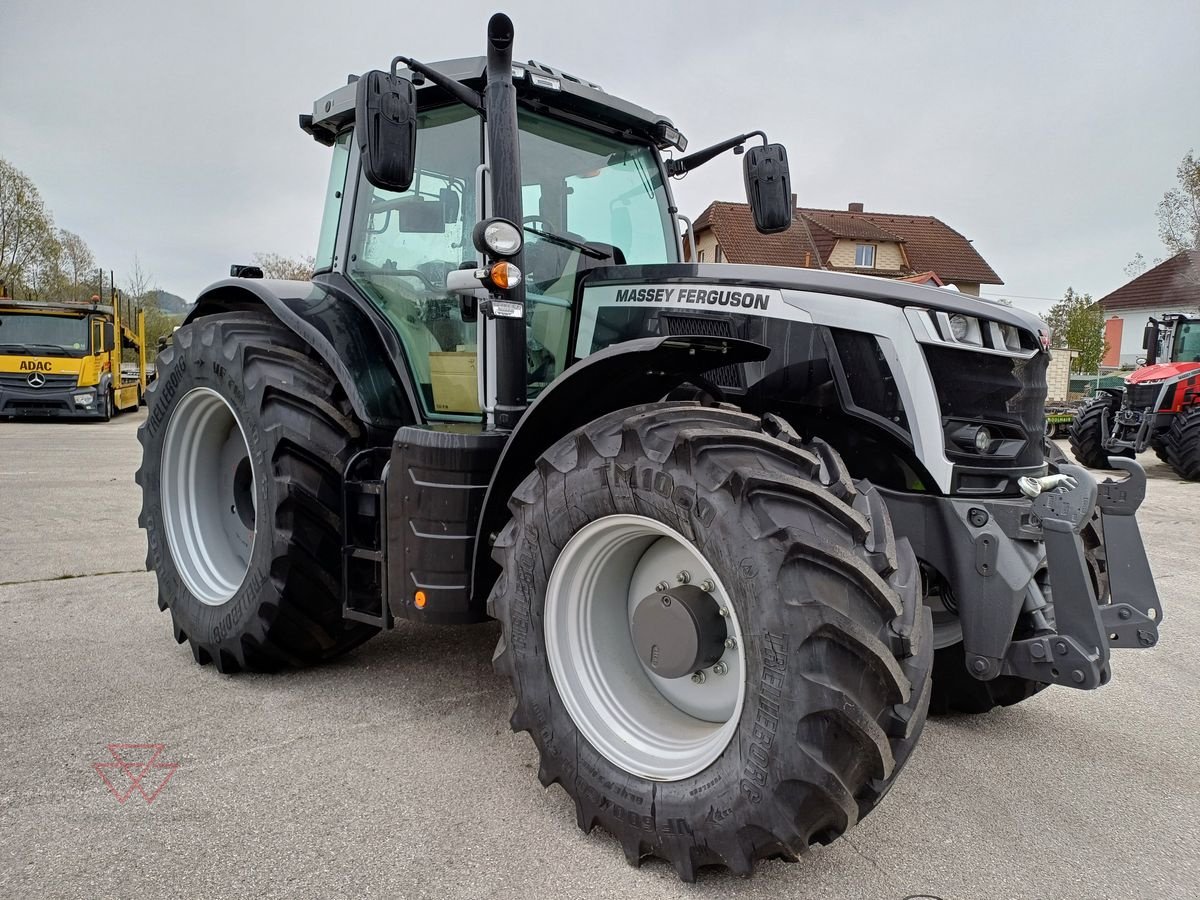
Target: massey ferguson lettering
{"x":694,"y":296}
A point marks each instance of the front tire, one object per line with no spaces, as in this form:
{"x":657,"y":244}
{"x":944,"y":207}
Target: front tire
{"x":244,"y":445}
{"x":1087,"y":435}
{"x":831,"y":651}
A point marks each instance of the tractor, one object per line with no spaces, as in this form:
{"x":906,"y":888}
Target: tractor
{"x":1159,"y":407}
{"x":742,"y":527}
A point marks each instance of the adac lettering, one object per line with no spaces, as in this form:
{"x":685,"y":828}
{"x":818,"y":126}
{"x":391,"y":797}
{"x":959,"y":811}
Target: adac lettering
{"x":695,"y":296}
{"x":34,"y":365}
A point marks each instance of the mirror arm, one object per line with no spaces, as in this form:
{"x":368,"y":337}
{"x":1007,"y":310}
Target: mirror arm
{"x":460,"y":91}
{"x":700,"y":157}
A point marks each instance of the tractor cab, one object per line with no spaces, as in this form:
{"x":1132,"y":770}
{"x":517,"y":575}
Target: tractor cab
{"x":414,"y":185}
{"x":1172,"y":346}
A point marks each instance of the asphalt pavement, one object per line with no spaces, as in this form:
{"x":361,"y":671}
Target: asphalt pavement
{"x":393,"y":773}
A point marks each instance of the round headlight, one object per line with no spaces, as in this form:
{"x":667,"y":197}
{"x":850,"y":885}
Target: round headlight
{"x":498,"y":237}
{"x":983,"y":440}
{"x":959,"y":327}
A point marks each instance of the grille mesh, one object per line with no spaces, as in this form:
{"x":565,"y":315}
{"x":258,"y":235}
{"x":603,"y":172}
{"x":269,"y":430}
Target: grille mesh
{"x":704,"y":326}
{"x":988,"y":387}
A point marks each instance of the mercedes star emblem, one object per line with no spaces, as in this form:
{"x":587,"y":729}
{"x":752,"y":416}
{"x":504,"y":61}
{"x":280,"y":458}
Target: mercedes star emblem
{"x":36,"y":379}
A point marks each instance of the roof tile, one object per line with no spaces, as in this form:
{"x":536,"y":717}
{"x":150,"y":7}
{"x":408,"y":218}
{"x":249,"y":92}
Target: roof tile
{"x":929,"y":244}
{"x":1172,"y":283}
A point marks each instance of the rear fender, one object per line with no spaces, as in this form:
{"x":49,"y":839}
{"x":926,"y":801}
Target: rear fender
{"x":330,"y":320}
{"x":621,"y":375}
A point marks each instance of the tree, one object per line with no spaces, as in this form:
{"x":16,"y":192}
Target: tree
{"x":1077,"y":322}
{"x":1136,"y":266}
{"x":78,"y":267}
{"x":140,"y":285}
{"x":276,"y":265}
{"x":1179,"y":209}
{"x":26,"y":230}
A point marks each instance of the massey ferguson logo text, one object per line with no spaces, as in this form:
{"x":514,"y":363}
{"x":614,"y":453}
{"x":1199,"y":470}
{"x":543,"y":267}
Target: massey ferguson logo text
{"x":710,"y":296}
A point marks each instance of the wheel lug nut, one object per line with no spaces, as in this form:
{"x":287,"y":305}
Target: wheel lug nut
{"x":724,"y":613}
{"x":661,"y":586}
{"x":684,"y":577}
{"x":697,"y":678}
{"x":730,"y":644}
{"x":720,"y":668}
{"x":707,"y":586}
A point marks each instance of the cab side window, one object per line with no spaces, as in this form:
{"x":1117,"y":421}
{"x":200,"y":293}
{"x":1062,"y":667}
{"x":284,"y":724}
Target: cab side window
{"x":403,"y":245}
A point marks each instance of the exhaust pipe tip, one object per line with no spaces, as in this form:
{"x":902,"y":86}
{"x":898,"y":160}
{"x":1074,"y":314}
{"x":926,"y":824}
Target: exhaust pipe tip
{"x":500,"y":32}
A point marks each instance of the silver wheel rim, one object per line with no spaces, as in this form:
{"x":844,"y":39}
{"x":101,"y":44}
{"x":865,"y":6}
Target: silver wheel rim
{"x":653,"y":727}
{"x":207,"y":486}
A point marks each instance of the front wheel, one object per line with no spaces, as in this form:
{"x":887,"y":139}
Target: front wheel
{"x":715,"y":641}
{"x":243,"y":446}
{"x":1087,"y":434}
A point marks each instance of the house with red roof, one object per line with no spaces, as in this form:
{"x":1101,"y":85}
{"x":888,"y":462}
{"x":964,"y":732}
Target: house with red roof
{"x":1173,"y":286}
{"x":921,"y":249}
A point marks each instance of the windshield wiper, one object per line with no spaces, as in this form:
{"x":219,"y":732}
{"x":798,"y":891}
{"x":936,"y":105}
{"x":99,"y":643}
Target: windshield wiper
{"x":585,"y":249}
{"x":49,"y":349}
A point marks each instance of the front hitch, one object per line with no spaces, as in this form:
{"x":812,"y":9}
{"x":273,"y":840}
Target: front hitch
{"x":1076,"y":654}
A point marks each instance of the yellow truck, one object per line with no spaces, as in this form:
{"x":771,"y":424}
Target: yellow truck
{"x":64,"y":359}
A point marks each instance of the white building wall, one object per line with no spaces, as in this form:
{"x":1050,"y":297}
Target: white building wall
{"x":1134,"y":324}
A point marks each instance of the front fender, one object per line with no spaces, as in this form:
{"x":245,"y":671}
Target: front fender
{"x":621,"y":375}
{"x":331,"y":321}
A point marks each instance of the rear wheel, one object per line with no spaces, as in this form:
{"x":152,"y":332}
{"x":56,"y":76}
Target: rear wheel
{"x":1182,"y":444}
{"x":243,"y":450}
{"x":715,"y":641}
{"x":1087,"y":434}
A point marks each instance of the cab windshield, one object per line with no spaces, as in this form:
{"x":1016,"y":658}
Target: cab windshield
{"x":589,"y":199}
{"x":1187,"y":343}
{"x":43,"y":335}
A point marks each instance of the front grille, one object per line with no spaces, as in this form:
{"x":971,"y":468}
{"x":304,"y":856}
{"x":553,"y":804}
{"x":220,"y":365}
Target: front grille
{"x":21,"y":380}
{"x":35,"y":405}
{"x":705,"y":326}
{"x":1139,"y":396}
{"x":988,"y":387}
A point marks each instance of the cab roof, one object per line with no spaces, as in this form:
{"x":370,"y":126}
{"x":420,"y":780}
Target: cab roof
{"x":539,"y":87}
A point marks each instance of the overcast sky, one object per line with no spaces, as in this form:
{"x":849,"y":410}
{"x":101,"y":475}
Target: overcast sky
{"x":1045,"y":132}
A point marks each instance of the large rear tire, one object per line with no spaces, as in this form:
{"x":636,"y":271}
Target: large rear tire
{"x":243,"y":450}
{"x":825,"y":683}
{"x":1182,"y":444}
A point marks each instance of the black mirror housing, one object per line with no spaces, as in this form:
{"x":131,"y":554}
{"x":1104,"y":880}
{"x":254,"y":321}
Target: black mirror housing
{"x":385,"y":124}
{"x":110,"y":338}
{"x":769,"y":188}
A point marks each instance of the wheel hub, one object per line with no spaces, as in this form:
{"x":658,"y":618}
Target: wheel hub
{"x":620,"y":664}
{"x":679,"y":631}
{"x":207,"y":487}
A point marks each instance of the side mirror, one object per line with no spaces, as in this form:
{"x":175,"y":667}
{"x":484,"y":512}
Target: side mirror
{"x":1150,"y":342}
{"x":385,"y":123}
{"x":110,"y":340}
{"x":769,"y":188}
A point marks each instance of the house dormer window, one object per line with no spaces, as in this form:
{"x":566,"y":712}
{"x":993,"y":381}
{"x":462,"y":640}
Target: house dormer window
{"x":864,"y":256}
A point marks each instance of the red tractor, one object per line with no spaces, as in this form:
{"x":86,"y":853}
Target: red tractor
{"x":1159,"y":407}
